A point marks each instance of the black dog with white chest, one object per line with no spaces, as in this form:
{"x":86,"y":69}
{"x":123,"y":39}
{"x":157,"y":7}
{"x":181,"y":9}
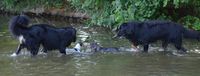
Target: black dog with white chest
{"x":31,"y":37}
{"x":144,"y":33}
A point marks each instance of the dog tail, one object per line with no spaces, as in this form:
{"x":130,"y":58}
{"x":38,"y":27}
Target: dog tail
{"x":191,"y":34}
{"x":17,"y":24}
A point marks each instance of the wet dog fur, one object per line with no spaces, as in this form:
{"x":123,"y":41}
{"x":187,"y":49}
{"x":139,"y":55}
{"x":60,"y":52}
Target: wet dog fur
{"x":144,"y":33}
{"x":31,"y":37}
{"x":95,"y":47}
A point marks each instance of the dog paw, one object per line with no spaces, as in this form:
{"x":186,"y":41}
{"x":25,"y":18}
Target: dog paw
{"x":13,"y":55}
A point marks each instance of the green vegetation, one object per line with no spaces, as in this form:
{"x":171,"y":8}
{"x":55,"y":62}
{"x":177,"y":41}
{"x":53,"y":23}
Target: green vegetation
{"x":111,"y":13}
{"x":22,"y":5}
{"x":190,"y":22}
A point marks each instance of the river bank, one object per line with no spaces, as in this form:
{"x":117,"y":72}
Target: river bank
{"x":50,"y":13}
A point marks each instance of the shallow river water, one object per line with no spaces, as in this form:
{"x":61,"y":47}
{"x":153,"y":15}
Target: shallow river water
{"x":155,"y":63}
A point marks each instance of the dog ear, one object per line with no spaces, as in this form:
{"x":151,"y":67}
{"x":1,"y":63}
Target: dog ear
{"x":133,"y":27}
{"x":123,"y":25}
{"x":129,"y":28}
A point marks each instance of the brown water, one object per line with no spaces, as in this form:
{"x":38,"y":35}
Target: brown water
{"x":155,"y":63}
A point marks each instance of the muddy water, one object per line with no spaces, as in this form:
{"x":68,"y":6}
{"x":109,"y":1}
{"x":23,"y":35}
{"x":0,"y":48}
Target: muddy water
{"x":155,"y":63}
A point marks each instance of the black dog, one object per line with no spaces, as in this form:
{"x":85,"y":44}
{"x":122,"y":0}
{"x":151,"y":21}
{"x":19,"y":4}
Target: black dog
{"x":97,"y":48}
{"x":144,"y":33}
{"x":32,"y":37}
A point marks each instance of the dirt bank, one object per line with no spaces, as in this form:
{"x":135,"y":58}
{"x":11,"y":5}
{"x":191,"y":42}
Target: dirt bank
{"x":51,"y":13}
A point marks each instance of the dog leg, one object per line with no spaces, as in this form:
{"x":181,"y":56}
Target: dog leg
{"x":164,"y":45}
{"x":34,"y":49}
{"x":62,"y":51}
{"x":178,"y":44}
{"x":20,"y":46}
{"x":146,"y":47}
{"x":179,"y":47}
{"x":34,"y":52}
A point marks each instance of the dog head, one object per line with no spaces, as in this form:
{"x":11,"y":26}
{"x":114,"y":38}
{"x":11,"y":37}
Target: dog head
{"x":78,"y":46}
{"x":123,"y":30}
{"x":94,"y":46}
{"x":128,"y":29}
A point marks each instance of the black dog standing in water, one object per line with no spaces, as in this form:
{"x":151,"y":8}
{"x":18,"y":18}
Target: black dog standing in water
{"x":31,"y":37}
{"x":144,"y":33}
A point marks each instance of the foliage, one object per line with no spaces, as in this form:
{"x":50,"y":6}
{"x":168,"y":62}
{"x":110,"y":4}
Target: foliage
{"x":21,"y":5}
{"x":191,"y":22}
{"x":111,"y":13}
